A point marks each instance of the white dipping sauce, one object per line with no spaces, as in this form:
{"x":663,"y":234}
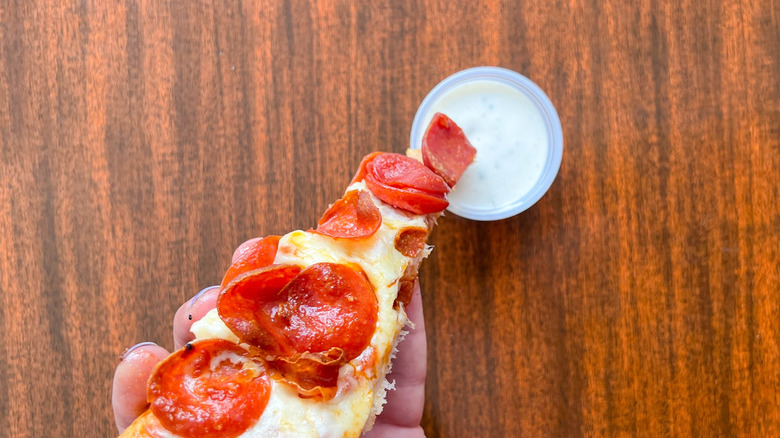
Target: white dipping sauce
{"x":510,"y":135}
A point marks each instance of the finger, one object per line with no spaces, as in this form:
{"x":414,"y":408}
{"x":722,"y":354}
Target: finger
{"x":405,"y":404}
{"x":128,"y":396}
{"x":196,"y":308}
{"x":190,"y":312}
{"x":382,"y":430}
{"x":243,"y":247}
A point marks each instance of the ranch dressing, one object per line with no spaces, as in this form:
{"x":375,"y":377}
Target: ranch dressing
{"x":511,"y":138}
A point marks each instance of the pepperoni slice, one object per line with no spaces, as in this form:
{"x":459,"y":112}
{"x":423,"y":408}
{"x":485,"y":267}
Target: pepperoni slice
{"x":352,"y":217}
{"x":258,"y":255}
{"x":411,"y":240}
{"x":446,"y":150}
{"x":209,"y":389}
{"x":345,"y":315}
{"x":400,"y":171}
{"x":245,"y":305}
{"x":406,"y":183}
{"x":286,"y":312}
{"x":361,"y":173}
{"x":411,"y":200}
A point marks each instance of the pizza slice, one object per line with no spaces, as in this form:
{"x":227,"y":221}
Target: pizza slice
{"x":306,"y":324}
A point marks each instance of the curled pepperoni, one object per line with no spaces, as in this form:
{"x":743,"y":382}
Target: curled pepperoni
{"x":446,"y":150}
{"x":329,"y":305}
{"x":411,"y":240}
{"x":406,"y":183}
{"x":352,"y":217}
{"x":361,"y":173}
{"x":411,"y":200}
{"x":209,"y":389}
{"x":285,"y":311}
{"x":245,"y":305}
{"x":259,"y":254}
{"x":403,"y":182}
{"x":306,"y":323}
{"x":400,"y":171}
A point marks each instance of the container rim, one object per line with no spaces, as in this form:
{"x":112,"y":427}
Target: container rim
{"x":545,"y":107}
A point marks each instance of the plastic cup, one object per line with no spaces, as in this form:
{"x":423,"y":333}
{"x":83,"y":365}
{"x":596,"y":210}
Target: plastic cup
{"x":549,"y":117}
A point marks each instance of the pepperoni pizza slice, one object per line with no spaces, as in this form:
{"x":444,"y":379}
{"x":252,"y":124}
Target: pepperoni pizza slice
{"x":306,"y":324}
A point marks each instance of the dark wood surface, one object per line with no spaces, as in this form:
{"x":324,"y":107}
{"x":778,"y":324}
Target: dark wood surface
{"x":141,"y":142}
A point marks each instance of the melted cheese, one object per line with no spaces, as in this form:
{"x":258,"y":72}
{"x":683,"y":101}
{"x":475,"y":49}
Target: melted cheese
{"x":361,"y":384}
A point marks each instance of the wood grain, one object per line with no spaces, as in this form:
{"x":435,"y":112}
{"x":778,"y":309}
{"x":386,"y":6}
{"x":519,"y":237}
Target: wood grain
{"x":141,"y":141}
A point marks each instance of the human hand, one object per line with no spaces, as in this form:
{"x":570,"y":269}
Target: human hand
{"x":401,"y":415}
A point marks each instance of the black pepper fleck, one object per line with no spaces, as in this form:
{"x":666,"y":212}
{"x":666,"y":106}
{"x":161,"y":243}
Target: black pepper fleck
{"x":189,"y":317}
{"x":188,"y":346}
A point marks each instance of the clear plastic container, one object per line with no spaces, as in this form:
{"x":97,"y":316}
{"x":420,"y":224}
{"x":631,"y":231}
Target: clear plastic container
{"x":517,"y":109}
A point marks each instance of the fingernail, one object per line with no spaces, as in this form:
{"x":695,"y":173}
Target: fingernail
{"x":199,"y":295}
{"x":133,"y":348}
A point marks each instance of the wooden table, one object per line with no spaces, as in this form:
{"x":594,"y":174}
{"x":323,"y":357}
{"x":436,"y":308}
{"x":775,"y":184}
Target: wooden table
{"x":141,"y":142}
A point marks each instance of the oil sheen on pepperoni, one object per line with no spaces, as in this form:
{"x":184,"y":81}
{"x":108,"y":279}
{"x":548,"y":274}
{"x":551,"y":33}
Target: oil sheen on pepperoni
{"x":361,"y":172}
{"x":352,"y":217}
{"x":242,"y":305}
{"x":209,"y":389}
{"x":259,"y":254}
{"x":324,"y":307}
{"x":406,"y":183}
{"x":400,"y":171}
{"x":412,"y":200}
{"x":446,"y":150}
